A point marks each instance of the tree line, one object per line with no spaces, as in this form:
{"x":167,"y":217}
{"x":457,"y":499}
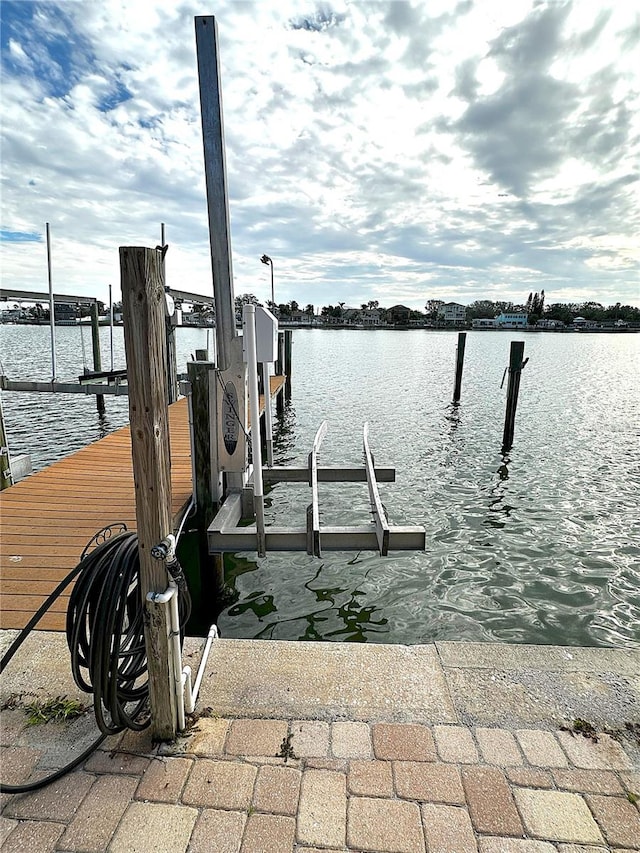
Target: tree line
{"x":535,"y":307}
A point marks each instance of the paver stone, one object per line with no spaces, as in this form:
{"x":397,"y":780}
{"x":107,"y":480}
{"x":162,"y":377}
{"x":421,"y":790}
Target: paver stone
{"x":499,"y":747}
{"x":98,"y":816}
{"x":277,"y":790}
{"x":310,"y":738}
{"x":490,"y":801}
{"x":322,"y":810}
{"x":37,"y":836}
{"x":606,"y":754}
{"x":220,"y":784}
{"x":541,"y":748}
{"x":256,"y":737}
{"x":384,"y":826}
{"x":455,"y":744}
{"x":448,"y":828}
{"x":557,"y":816}
{"x":432,"y":783}
{"x":370,"y":778}
{"x":618,"y":819}
{"x":219,"y":831}
{"x":154,"y":827}
{"x":351,"y":740}
{"x":403,"y":742}
{"x":269,"y":833}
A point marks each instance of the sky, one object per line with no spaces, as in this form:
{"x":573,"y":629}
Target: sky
{"x":389,"y":151}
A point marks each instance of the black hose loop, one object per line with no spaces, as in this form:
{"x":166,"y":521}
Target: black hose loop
{"x":105,"y":636}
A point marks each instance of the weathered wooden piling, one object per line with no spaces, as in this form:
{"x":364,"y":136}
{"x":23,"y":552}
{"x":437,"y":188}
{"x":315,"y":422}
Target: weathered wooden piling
{"x":462,"y":339}
{"x":279,"y":369}
{"x":515,"y":369}
{"x":206,"y":477}
{"x":288,"y":342}
{"x":97,"y":356}
{"x":143,"y":306}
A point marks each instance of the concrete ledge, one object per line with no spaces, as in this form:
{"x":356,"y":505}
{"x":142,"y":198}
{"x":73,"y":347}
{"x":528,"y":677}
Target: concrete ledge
{"x":257,"y":678}
{"x":471,"y":683}
{"x":510,"y":657}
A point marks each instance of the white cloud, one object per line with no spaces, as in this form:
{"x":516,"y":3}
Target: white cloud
{"x":393,"y":151}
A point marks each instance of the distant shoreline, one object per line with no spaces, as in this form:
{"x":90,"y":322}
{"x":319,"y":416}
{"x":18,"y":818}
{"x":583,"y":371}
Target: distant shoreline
{"x":388,"y":327}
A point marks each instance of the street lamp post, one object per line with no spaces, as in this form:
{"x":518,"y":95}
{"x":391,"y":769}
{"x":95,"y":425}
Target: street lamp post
{"x":267,"y":260}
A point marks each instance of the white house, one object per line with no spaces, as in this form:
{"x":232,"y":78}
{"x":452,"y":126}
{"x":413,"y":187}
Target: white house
{"x":452,"y":313}
{"x":512,"y":319}
{"x":550,"y":324}
{"x":483,"y":323}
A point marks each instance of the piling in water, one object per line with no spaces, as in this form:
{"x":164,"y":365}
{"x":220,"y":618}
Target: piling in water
{"x":515,"y":369}
{"x":462,"y":339}
{"x":97,"y":358}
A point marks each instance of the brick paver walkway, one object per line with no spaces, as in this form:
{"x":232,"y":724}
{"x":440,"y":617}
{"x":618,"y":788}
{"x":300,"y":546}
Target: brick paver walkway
{"x":279,"y":786}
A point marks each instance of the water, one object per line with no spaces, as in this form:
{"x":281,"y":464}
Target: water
{"x":539,"y":545}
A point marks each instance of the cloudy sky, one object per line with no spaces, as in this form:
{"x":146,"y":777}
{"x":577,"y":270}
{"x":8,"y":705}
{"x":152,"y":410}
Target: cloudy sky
{"x":397,"y":151}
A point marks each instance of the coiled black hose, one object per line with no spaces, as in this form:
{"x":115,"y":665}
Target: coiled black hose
{"x":105,"y":635}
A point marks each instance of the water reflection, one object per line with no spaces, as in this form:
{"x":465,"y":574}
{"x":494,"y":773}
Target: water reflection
{"x":327,"y":612}
{"x":284,"y":434}
{"x":498,"y":493}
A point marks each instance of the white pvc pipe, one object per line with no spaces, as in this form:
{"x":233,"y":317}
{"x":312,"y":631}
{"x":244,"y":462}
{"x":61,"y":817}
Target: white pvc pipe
{"x":176,"y":650}
{"x":191,"y":692}
{"x":52,"y":309}
{"x":250,"y":355}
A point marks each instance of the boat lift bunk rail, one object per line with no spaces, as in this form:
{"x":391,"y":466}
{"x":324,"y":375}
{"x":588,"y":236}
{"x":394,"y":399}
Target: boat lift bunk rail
{"x":228,"y":531}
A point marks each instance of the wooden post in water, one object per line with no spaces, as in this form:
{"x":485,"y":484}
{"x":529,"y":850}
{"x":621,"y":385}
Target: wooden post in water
{"x":462,"y":339}
{"x":143,"y":307}
{"x":207,"y":492}
{"x":97,"y":357}
{"x":288,"y":340}
{"x":515,"y":369}
{"x":279,"y":369}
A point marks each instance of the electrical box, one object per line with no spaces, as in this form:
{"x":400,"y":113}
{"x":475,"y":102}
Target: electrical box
{"x":266,"y":335}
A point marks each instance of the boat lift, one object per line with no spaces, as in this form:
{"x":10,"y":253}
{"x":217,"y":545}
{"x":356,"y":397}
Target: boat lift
{"x":229,"y":530}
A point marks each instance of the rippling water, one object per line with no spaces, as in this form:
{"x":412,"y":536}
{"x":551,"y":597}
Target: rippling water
{"x":538,"y":546}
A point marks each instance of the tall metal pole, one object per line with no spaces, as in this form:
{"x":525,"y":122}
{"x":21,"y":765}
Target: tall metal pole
{"x":111,"y":323}
{"x":267,"y":260}
{"x":52,"y":309}
{"x":216,"y":181}
{"x":273,"y":293}
{"x":170,"y":333}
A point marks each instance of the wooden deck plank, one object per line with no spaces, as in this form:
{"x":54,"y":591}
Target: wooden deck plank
{"x":47,"y":519}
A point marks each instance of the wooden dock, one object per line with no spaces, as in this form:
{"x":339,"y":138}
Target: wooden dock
{"x":47,"y":519}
